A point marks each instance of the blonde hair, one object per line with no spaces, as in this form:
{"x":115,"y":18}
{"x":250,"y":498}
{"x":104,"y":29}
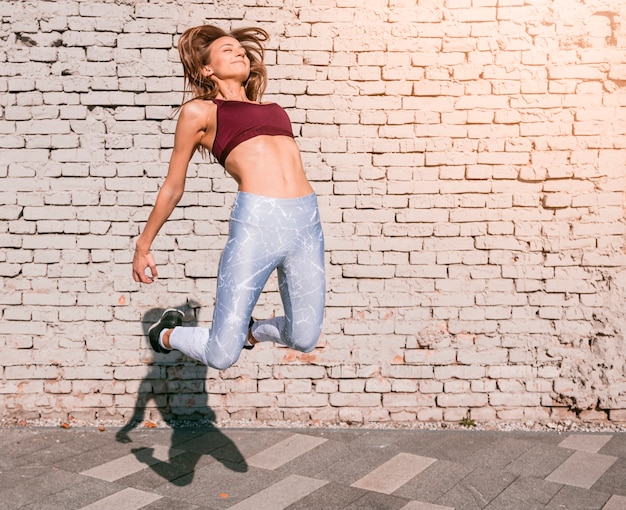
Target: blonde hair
{"x":193,"y":47}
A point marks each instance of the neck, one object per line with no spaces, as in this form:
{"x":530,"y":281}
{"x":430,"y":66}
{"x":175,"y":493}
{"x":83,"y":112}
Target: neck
{"x":232,"y":91}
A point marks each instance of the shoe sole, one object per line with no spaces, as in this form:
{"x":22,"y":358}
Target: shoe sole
{"x":156,"y":346}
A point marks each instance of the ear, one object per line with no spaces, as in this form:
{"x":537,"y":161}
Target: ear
{"x":206,"y":71}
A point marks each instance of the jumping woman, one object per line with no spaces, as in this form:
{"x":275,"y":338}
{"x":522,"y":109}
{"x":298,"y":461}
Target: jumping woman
{"x":274,"y":222}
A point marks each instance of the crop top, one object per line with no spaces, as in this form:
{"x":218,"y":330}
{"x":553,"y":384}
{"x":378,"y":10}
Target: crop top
{"x":238,"y":121}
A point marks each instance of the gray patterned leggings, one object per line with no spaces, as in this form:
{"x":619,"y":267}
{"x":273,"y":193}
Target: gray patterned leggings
{"x":264,"y":234}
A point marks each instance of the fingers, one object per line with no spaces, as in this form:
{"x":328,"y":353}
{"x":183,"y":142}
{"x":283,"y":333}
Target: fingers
{"x":140,"y":264}
{"x":152,"y":266}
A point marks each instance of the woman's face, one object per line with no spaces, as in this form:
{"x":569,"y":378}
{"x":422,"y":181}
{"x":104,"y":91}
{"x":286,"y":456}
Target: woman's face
{"x":228,"y":59}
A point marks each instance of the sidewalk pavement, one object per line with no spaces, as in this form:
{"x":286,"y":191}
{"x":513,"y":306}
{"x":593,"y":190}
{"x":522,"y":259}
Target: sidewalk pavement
{"x":308,"y":469}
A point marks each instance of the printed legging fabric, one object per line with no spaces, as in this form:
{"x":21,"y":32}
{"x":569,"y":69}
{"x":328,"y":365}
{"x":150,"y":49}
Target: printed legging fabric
{"x":264,"y":234}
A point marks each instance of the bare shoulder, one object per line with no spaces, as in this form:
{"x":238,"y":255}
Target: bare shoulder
{"x":198,"y":112}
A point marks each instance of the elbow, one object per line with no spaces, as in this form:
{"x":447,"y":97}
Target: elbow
{"x":171,"y":193}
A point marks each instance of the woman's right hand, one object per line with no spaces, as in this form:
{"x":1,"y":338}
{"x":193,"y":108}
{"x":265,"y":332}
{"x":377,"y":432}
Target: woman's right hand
{"x":141,"y":261}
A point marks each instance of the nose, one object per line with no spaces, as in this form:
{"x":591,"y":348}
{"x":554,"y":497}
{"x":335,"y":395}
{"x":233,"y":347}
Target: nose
{"x":241,"y":51}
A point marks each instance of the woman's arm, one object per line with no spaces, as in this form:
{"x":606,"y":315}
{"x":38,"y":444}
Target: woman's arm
{"x":190,"y":127}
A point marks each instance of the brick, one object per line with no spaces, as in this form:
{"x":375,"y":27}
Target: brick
{"x":430,"y":181}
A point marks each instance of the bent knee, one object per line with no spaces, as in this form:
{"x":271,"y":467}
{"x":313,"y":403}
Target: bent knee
{"x":306,"y":341}
{"x":222,"y":362}
{"x":308,"y":347}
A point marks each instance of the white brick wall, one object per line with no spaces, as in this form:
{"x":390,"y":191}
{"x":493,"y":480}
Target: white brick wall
{"x":470,"y":162}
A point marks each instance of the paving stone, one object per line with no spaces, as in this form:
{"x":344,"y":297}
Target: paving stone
{"x":129,"y":464}
{"x":459,"y":446}
{"x":539,"y":461}
{"x":246,"y":444}
{"x":179,"y":470}
{"x":387,"y":438}
{"x":315,"y":461}
{"x":616,"y":447}
{"x":75,"y":496}
{"x":499,"y":454}
{"x":432,"y":483}
{"x":394,"y":473}
{"x":575,"y":498}
{"x":330,"y":496}
{"x":216,"y":486}
{"x":582,"y":469}
{"x":211,"y":470}
{"x":421,"y":444}
{"x":13,"y":476}
{"x":357,"y":463}
{"x":282,"y":494}
{"x":613,"y":481}
{"x":377,"y":501}
{"x":585,"y":442}
{"x":525,"y":493}
{"x":128,"y":499}
{"x":615,"y":503}
{"x":169,"y":504}
{"x":478,"y":489}
{"x":37,"y":488}
{"x":419,"y":505}
{"x":285,"y":451}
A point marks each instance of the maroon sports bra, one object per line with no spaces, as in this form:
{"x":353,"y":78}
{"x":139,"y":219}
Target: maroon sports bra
{"x":238,"y":121}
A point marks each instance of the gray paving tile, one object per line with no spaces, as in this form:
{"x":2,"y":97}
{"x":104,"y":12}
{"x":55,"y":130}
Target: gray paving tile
{"x":525,"y":493}
{"x":169,"y":504}
{"x":132,"y":463}
{"x":285,"y":451}
{"x":394,"y":473}
{"x":575,"y":498}
{"x":357,"y":463}
{"x":217,"y":487}
{"x":104,"y":448}
{"x":499,"y":453}
{"x":539,"y":461}
{"x":70,"y":444}
{"x":585,"y":442}
{"x":582,"y":469}
{"x":179,"y":470}
{"x":39,"y":469}
{"x":37,"y":488}
{"x":616,"y":447}
{"x":282,"y":494}
{"x":377,"y":501}
{"x":317,"y":460}
{"x":432,"y":483}
{"x":400,"y":438}
{"x":340,"y":435}
{"x":420,"y":505}
{"x":12,"y":476}
{"x":330,"y":496}
{"x":613,"y":481}
{"x":20,"y":446}
{"x":128,"y":498}
{"x":422,"y":442}
{"x":75,"y":496}
{"x":537,"y":437}
{"x":478,"y":489}
{"x":200,"y":442}
{"x":245,"y":444}
{"x":458,"y":446}
{"x":615,"y":503}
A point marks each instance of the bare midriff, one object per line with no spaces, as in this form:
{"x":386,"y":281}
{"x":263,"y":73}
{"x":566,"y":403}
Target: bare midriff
{"x":269,"y":166}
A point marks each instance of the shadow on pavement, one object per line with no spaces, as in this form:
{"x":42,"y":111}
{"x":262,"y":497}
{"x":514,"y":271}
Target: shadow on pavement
{"x":178,"y":391}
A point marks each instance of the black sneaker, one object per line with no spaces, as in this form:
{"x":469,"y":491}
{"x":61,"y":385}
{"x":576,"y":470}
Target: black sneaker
{"x":249,"y":346}
{"x":169,"y":320}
